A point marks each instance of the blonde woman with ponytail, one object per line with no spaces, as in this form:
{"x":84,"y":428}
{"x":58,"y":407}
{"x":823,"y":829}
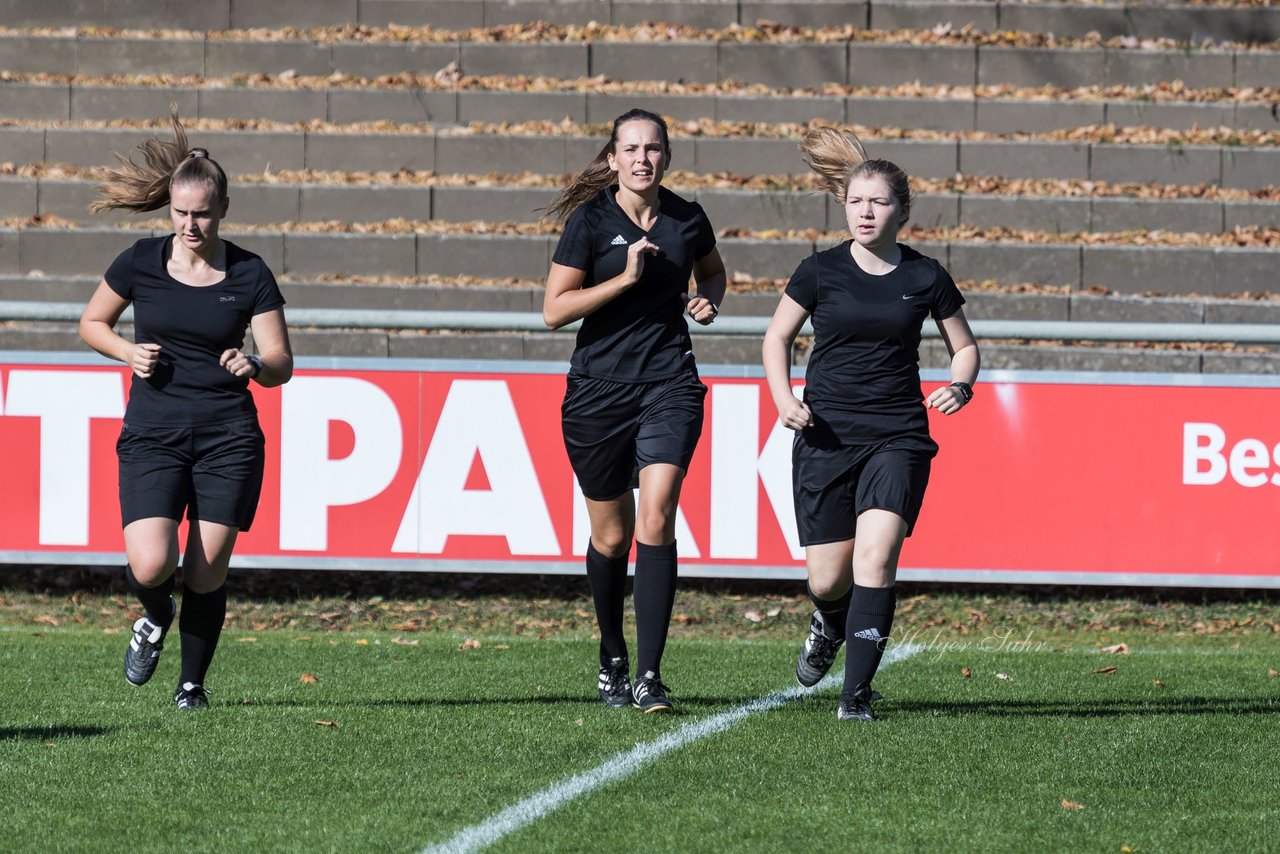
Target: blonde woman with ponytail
{"x":862,"y":451}
{"x":190,"y":444}
{"x":632,"y":411}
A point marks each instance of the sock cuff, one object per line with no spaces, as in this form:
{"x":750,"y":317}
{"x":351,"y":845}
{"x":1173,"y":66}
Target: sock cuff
{"x":667,"y":551}
{"x":874,"y":600}
{"x":187,"y":592}
{"x":830,"y":606}
{"x":594,"y":556}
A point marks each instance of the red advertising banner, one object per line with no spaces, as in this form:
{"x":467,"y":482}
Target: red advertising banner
{"x":1056,"y":478}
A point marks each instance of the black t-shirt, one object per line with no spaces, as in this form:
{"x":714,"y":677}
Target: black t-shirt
{"x":863,"y":380}
{"x":193,"y":326}
{"x":641,"y":336}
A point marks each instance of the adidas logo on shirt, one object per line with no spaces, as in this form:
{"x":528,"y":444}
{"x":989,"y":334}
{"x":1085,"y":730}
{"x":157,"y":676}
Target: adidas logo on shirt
{"x":618,"y":241}
{"x":872,"y":634}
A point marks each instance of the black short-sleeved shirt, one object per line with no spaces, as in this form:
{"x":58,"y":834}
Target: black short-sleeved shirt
{"x":863,"y":380}
{"x":641,"y":336}
{"x":193,"y":326}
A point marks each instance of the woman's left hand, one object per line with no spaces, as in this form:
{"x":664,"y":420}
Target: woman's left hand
{"x":703,"y":310}
{"x":948,"y":400}
{"x":238,"y":363}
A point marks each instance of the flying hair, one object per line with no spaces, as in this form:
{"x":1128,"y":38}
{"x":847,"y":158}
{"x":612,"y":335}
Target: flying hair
{"x":838,"y":157}
{"x":140,"y":187}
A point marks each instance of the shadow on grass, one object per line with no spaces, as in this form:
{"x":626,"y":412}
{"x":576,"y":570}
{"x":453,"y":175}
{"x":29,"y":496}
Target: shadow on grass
{"x":45,"y":733}
{"x":700,"y":704}
{"x":1143,"y":707}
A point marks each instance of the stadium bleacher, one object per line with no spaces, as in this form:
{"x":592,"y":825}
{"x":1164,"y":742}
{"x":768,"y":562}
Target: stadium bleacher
{"x":1073,"y":161}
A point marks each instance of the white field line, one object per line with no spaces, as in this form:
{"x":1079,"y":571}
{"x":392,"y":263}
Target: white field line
{"x":623,"y":765}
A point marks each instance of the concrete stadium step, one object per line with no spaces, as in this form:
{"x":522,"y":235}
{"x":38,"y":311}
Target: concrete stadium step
{"x":256,"y":203}
{"x":776,"y":64}
{"x":1180,"y":21}
{"x":1149,"y":266}
{"x":583,"y":101}
{"x":490,"y":148}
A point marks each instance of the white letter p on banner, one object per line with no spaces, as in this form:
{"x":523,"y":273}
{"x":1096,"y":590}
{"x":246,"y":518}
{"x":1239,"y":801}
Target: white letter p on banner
{"x":311,"y":482}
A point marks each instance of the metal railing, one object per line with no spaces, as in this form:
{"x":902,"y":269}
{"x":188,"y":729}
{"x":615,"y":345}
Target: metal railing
{"x":511,"y":321}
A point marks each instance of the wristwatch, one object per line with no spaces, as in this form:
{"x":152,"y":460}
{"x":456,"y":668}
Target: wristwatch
{"x":966,"y":390}
{"x":256,"y":362}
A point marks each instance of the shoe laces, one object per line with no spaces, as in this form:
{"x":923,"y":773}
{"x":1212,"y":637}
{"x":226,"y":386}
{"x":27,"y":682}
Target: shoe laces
{"x":653,"y":687}
{"x":821,"y":646}
{"x":190,"y":691}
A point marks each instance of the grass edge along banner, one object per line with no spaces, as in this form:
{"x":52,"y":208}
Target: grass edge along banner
{"x":1069,"y":478}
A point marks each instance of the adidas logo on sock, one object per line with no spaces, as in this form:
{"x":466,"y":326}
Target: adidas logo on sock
{"x":872,"y":634}
{"x":618,"y":241}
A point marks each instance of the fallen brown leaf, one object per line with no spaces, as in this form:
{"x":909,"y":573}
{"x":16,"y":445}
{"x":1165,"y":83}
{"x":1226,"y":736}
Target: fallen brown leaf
{"x":1118,"y":649}
{"x":469,"y":643}
{"x":308,"y":679}
{"x":45,"y":618}
{"x":1157,"y":683}
{"x":330,"y":724}
{"x":966,"y":672}
{"x":1106,"y":671}
{"x":1271,"y":671}
{"x":1071,"y":805}
{"x":404,"y":641}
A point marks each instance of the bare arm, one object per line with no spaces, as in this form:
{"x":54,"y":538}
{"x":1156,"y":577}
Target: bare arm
{"x":97,"y":329}
{"x":965,"y":363}
{"x":566,"y":300}
{"x":710,"y":281}
{"x":271,"y":337}
{"x":776,"y":353}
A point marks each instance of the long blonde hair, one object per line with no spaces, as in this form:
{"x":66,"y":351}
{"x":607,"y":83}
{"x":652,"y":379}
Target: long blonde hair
{"x":597,"y":175}
{"x":145,"y":187}
{"x":838,"y":157}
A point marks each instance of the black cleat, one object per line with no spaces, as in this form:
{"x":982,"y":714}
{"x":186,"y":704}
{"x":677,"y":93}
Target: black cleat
{"x":856,"y":706}
{"x":143,"y":652}
{"x":816,"y":655}
{"x":649,"y":695}
{"x":615,"y":682}
{"x":191,"y":697}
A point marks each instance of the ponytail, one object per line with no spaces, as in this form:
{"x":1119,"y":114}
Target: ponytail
{"x":597,"y":175}
{"x":838,"y":157}
{"x":145,"y":187}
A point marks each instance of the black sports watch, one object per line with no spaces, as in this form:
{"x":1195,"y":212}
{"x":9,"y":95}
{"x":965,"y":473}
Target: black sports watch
{"x":256,"y":362}
{"x":966,"y":390}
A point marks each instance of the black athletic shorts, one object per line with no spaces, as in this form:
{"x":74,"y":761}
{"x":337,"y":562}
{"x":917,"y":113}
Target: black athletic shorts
{"x":612,"y":429}
{"x":211,"y":473}
{"x":833,"y":484}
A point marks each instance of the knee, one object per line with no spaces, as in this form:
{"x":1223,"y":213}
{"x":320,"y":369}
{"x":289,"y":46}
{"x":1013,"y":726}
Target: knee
{"x":152,"y":567}
{"x":828,"y":588}
{"x":611,"y":543}
{"x":655,"y":525}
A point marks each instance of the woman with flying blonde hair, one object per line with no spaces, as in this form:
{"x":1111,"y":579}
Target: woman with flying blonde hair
{"x":632,"y":411}
{"x":862,"y":450}
{"x":190,"y":444}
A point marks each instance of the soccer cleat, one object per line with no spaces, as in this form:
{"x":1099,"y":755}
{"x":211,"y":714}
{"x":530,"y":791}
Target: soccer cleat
{"x":816,"y":655}
{"x":856,"y":706}
{"x":143,"y":652}
{"x":615,"y":683}
{"x":191,"y":697}
{"x":650,"y":695}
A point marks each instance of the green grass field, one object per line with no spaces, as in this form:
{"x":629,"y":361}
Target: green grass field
{"x":402,"y":741}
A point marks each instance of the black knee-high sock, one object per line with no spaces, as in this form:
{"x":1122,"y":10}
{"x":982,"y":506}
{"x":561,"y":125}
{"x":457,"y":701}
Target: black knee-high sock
{"x":867,"y":632}
{"x":156,"y":601}
{"x":607,"y":578}
{"x":200,"y":625}
{"x":834,"y":612}
{"x":655,"y":595}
